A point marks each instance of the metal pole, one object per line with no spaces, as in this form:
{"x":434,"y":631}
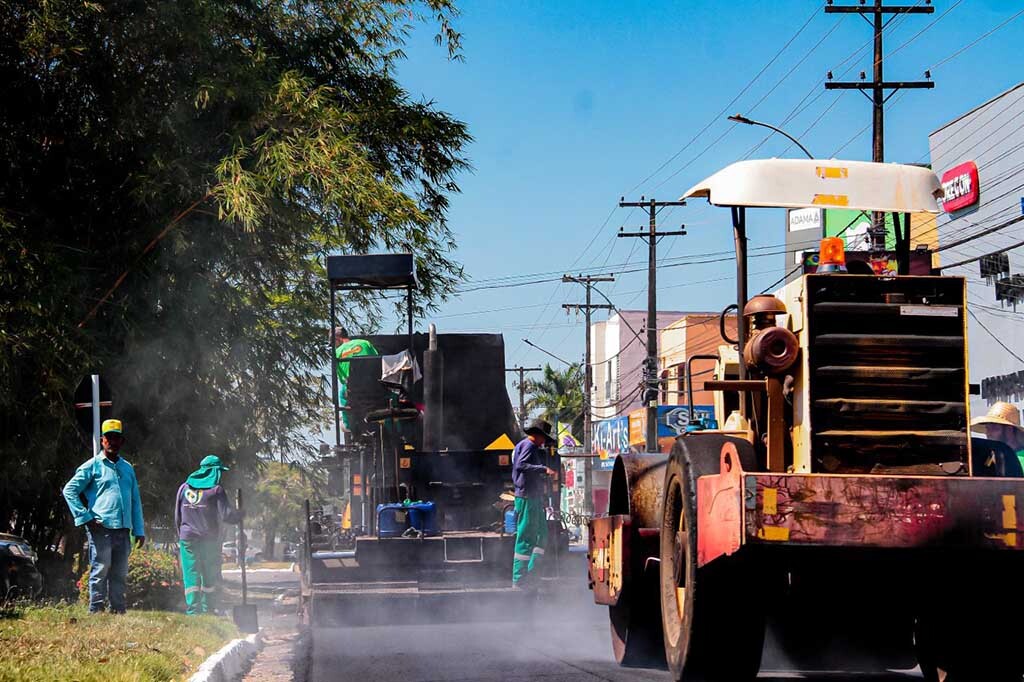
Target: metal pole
{"x":588,"y":427}
{"x":650,"y":375}
{"x":739,"y":224}
{"x":409,"y":312}
{"x":334,"y":373}
{"x":96,"y":415}
{"x":878,"y":127}
{"x":522,"y":398}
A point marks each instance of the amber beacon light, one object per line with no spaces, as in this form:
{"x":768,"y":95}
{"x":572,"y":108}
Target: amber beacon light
{"x":832,"y":255}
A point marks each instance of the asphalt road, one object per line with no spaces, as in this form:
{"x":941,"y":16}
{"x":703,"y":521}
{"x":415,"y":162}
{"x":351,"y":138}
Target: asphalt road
{"x":562,"y":647}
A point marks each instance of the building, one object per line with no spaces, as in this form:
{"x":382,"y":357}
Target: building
{"x":618,"y":353}
{"x":979,"y":158}
{"x":688,"y":337}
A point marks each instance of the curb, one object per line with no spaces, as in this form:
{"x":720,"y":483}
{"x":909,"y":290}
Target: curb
{"x":230,"y":662}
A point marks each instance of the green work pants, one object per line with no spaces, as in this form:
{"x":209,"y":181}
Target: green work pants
{"x":200,"y":572}
{"x":531,"y":536}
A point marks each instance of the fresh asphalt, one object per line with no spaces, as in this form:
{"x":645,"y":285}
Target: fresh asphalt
{"x":559,"y":646}
{"x":569,"y":643}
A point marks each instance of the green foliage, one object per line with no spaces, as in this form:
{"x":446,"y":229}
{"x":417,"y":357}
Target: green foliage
{"x":559,"y":396}
{"x":175,"y":175}
{"x":154,"y":581}
{"x":277,"y":501}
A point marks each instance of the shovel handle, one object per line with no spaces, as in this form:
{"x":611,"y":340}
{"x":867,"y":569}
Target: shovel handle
{"x":241,"y":546}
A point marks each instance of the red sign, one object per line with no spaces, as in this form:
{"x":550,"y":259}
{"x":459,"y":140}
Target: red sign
{"x":961,"y":188}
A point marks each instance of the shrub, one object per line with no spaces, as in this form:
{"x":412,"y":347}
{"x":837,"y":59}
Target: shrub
{"x":154,"y":581}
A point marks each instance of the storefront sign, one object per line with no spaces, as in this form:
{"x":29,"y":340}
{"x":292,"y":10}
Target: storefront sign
{"x":611,"y":437}
{"x":672,"y":421}
{"x":805,"y":219}
{"x":1008,"y":387}
{"x":960,"y":187}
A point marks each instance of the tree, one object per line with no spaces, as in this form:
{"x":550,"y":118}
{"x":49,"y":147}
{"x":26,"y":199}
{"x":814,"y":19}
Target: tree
{"x":276,"y":504}
{"x":559,"y":396}
{"x":176,"y":173}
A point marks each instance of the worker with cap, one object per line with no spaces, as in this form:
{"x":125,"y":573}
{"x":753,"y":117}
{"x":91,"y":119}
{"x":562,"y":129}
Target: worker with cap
{"x":344,"y":349}
{"x":103,"y":496}
{"x":199,"y":509}
{"x":529,"y":478}
{"x":1002,"y":423}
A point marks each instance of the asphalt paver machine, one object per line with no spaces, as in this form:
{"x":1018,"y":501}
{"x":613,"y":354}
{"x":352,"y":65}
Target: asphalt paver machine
{"x":843,"y":501}
{"x":421,"y":480}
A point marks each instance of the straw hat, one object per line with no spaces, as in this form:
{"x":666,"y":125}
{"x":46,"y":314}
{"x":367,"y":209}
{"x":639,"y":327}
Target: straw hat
{"x":1001,"y":413}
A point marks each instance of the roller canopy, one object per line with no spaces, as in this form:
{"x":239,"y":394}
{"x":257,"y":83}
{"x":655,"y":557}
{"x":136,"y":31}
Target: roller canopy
{"x":814,"y":183}
{"x":372,"y":271}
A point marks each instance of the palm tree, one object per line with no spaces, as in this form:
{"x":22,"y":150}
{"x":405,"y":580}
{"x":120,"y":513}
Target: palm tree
{"x":558,"y":396}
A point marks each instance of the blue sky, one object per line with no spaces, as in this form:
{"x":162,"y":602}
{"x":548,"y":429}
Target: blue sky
{"x":574,"y":104}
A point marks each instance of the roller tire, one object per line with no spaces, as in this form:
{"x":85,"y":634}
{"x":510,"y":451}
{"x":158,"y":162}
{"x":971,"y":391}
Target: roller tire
{"x":635,"y":625}
{"x":714,"y":627}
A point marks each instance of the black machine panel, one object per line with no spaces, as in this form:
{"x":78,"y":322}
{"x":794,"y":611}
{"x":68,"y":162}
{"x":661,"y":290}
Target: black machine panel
{"x":887,"y":373}
{"x":475,"y":405}
{"x":374,"y":271}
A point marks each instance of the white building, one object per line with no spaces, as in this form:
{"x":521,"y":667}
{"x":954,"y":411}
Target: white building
{"x":980,"y":159}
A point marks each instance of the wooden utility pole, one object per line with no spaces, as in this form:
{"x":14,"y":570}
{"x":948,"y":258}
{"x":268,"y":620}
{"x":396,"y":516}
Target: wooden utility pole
{"x":652,"y":236}
{"x":878,"y":85}
{"x":522,"y":390}
{"x":588,"y":381}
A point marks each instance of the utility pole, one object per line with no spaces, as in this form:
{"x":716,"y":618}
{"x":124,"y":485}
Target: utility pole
{"x":652,"y":236}
{"x":522,"y":390}
{"x":588,"y":381}
{"x":878,"y":85}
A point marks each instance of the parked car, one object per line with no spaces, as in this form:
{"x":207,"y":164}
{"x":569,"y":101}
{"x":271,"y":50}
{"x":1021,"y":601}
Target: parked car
{"x":229,"y":553}
{"x":288,"y":554}
{"x":19,"y":575}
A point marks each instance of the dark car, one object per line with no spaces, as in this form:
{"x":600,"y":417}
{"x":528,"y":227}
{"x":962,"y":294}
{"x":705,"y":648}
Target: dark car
{"x":18,"y":573}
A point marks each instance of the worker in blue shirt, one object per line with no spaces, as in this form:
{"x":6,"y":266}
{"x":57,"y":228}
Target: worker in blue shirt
{"x":529,"y":478}
{"x":103,"y":496}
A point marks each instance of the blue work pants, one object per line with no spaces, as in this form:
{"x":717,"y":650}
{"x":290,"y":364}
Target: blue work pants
{"x":108,"y":572}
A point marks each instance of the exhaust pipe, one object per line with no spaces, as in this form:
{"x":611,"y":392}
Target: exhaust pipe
{"x":433,"y":394}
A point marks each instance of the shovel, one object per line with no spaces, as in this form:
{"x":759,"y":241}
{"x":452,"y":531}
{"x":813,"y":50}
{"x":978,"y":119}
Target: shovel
{"x":244,"y":615}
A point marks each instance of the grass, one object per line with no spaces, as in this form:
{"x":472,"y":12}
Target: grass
{"x":66,"y":643}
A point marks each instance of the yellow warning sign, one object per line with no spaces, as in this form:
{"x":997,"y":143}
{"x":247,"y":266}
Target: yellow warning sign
{"x":502,"y":442}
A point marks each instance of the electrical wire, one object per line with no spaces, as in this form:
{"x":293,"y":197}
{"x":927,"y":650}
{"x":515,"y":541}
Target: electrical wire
{"x":994,"y":337}
{"x":963,"y":49}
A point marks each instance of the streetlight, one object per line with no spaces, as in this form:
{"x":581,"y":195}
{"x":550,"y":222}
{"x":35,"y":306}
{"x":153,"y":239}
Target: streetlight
{"x":529,"y":343}
{"x":739,"y":118}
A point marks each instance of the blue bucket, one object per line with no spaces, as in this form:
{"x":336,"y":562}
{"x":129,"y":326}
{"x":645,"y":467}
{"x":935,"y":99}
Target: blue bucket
{"x":392,"y":520}
{"x":423,"y":517}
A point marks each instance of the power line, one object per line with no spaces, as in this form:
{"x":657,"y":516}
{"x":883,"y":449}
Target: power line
{"x":975,"y":42}
{"x":994,"y":337}
{"x":726,"y":108}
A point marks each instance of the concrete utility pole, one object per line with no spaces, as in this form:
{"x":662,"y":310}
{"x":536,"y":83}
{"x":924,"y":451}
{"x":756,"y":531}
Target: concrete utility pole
{"x":878,"y":85}
{"x":588,"y":381}
{"x":522,"y":390}
{"x":651,"y":379}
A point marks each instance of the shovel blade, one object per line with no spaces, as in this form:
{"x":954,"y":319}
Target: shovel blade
{"x":245,"y":618}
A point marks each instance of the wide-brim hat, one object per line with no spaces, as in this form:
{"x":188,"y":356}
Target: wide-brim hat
{"x":208,"y":473}
{"x":541,"y":427}
{"x":1001,"y":413}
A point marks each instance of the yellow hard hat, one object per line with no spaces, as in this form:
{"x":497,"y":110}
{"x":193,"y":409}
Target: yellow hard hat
{"x":111,"y":426}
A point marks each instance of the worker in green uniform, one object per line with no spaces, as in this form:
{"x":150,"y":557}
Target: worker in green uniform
{"x":345,"y":348}
{"x":200,"y":507}
{"x":1002,"y":423}
{"x":529,"y":478}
